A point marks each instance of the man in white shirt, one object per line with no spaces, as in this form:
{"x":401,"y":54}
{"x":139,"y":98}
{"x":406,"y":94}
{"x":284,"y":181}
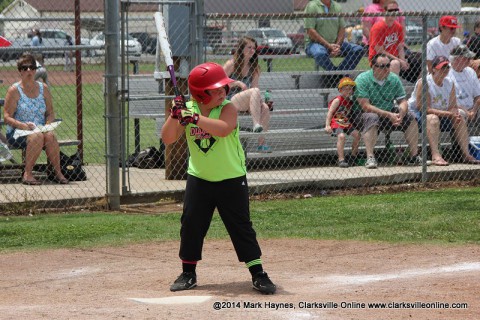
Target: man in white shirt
{"x":466,"y":82}
{"x":442,"y":44}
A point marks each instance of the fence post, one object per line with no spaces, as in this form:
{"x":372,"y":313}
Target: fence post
{"x":112,"y":112}
{"x":424,"y":97}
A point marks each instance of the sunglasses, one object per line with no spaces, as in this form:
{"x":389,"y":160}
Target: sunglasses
{"x":382,"y":66}
{"x":393,"y":10}
{"x":27,"y":67}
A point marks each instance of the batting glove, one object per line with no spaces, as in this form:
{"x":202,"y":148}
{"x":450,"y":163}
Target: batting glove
{"x":187,"y":117}
{"x":178,"y":103}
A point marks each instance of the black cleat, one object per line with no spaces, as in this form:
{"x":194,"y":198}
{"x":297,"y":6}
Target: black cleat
{"x":262,"y":283}
{"x":186,"y":281}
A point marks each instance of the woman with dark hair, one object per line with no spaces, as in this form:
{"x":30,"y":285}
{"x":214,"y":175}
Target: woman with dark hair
{"x":244,"y":93}
{"x":28,"y":104}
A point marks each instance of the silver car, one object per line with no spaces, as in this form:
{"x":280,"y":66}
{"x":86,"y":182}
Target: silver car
{"x":271,"y":41}
{"x":53,"y":38}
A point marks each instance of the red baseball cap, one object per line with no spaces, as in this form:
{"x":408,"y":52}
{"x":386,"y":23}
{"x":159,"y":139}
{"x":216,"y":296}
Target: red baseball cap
{"x":449,"y":22}
{"x":440,"y":61}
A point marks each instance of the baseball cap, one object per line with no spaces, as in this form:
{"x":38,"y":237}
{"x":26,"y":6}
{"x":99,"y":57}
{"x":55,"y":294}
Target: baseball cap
{"x":440,"y":61}
{"x":449,"y":22}
{"x":462,"y":51}
{"x":346,"y":81}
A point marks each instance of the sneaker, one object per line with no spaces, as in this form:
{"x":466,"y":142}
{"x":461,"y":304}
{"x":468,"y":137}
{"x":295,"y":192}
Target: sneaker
{"x":257,"y":128}
{"x":414,"y":161}
{"x":186,"y":281}
{"x":371,"y":163}
{"x":264,"y":149}
{"x":262,"y":283}
{"x":343,"y":164}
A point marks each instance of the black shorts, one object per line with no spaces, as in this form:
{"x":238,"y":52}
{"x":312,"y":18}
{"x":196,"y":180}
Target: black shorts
{"x":347,"y":131}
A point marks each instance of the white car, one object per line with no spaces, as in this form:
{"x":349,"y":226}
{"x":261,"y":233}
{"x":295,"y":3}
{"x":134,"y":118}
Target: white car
{"x":132,"y":46}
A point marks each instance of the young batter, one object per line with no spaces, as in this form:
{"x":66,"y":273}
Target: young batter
{"x":216,"y":175}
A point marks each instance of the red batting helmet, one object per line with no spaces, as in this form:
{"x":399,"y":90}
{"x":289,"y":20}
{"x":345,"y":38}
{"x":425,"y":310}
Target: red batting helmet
{"x":207,"y":76}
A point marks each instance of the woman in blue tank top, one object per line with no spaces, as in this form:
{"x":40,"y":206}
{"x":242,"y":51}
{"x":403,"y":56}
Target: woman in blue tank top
{"x":244,"y":92}
{"x":28,"y":104}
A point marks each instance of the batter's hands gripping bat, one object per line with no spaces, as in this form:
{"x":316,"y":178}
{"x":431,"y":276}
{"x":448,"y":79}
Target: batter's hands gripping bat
{"x":179,"y":102}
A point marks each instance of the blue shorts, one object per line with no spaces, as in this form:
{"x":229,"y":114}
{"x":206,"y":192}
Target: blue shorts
{"x":19,"y":143}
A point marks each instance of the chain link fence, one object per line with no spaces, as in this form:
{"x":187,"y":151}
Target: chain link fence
{"x":283,"y":112}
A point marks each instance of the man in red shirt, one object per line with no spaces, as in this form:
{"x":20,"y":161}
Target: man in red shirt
{"x":387,"y":36}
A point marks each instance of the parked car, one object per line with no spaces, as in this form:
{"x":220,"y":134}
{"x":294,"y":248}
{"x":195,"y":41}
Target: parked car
{"x":52,"y":38}
{"x":271,"y":41}
{"x":132,"y":46}
{"x":148,"y":42}
{"x":11,"y":45}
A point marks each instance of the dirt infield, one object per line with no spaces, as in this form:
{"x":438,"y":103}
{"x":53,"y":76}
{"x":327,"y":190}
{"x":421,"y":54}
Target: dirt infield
{"x":315,"y":279}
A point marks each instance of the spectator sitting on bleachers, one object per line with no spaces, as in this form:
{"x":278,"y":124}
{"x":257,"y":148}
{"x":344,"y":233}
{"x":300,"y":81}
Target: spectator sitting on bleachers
{"x":244,"y":92}
{"x":387,"y":36}
{"x":325,"y":37}
{"x":443,"y":113}
{"x":376,"y":91}
{"x":338,"y":122}
{"x":467,"y":85}
{"x":474,"y":45}
{"x":367,"y":22}
{"x":442,"y":44}
{"x":28,"y":103}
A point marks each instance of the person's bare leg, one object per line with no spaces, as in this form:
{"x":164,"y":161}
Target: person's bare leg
{"x":461,"y":135}
{"x":433,"y":134}
{"x":249,"y":100}
{"x":355,"y":143}
{"x":341,"y":146}
{"x":411,"y":136}
{"x":52,"y":150}
{"x":395,"y":66}
{"x":35,"y":144}
{"x":264,"y":122}
{"x":370,"y":139}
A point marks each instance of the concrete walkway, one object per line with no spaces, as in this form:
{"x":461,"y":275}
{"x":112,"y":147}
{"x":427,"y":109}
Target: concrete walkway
{"x":150,"y":184}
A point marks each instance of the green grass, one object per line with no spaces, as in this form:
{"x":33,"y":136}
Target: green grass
{"x":445,"y":216}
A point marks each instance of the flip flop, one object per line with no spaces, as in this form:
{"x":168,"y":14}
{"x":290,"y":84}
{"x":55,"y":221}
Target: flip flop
{"x":440,"y":162}
{"x":62,"y":181}
{"x":472,"y":160}
{"x":31,"y":182}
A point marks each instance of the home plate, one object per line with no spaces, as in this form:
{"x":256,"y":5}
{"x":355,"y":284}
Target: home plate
{"x":173,"y":300}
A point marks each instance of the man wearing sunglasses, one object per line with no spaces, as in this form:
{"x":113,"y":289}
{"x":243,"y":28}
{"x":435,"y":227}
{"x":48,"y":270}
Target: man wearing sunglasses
{"x":442,"y":44}
{"x":377,"y":91}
